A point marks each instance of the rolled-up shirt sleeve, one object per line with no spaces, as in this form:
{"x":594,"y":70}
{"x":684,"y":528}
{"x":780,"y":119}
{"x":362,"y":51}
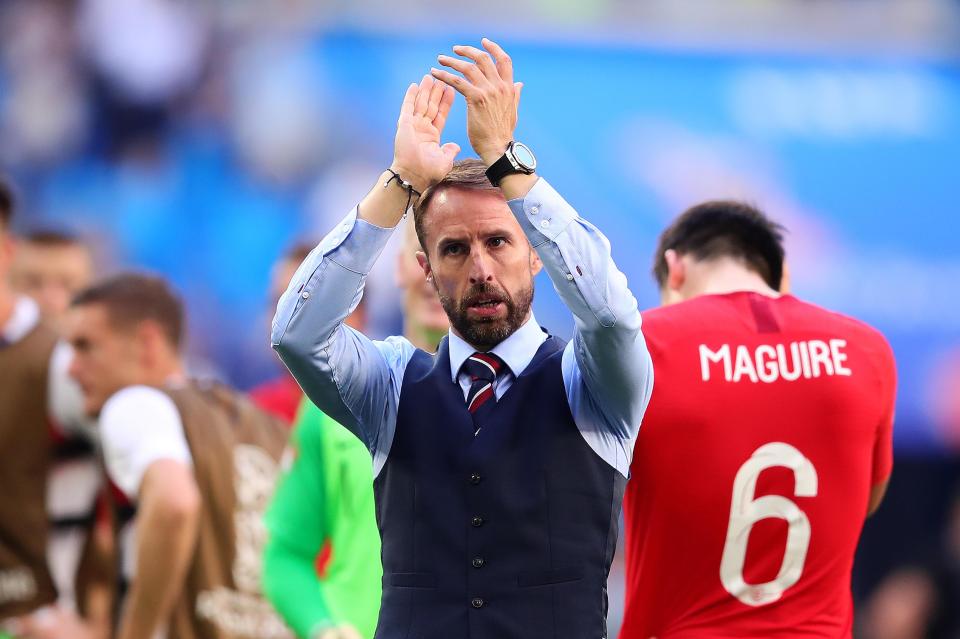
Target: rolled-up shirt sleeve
{"x":606,"y":366}
{"x":351,"y":378}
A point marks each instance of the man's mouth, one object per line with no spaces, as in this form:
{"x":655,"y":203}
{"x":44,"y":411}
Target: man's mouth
{"x":486,"y":307}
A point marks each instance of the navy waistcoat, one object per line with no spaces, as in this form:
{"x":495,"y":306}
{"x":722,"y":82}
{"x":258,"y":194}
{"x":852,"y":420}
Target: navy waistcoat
{"x":508,"y":534}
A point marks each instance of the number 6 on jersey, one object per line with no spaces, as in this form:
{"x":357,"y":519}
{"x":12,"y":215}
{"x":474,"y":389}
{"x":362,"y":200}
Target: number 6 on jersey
{"x":745,"y":511}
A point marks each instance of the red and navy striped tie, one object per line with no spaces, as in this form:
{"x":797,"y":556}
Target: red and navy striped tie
{"x":483,"y":369}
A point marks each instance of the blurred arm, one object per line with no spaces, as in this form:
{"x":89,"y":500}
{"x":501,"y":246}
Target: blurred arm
{"x":607,"y":369}
{"x":147,"y":457}
{"x":883,"y":445}
{"x":168,"y":519}
{"x":877,"y":494}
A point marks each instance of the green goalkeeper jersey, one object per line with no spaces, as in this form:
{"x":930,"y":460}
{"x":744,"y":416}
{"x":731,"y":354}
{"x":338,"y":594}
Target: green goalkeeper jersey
{"x":324,"y":495}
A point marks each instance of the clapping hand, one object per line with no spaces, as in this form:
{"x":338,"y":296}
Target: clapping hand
{"x":418,"y":155}
{"x":491,"y":94}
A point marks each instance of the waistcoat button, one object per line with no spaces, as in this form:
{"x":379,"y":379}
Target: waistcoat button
{"x":477,"y":603}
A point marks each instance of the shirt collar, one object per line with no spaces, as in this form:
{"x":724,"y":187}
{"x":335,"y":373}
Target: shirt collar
{"x":25,"y":316}
{"x":516,"y":351}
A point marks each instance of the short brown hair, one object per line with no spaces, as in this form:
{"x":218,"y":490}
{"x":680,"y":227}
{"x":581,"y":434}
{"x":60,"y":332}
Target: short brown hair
{"x":7,"y":202}
{"x":132,"y":298}
{"x":468,"y":174}
{"x":725,"y":228}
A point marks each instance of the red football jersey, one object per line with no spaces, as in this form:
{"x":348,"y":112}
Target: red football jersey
{"x":770,"y":421}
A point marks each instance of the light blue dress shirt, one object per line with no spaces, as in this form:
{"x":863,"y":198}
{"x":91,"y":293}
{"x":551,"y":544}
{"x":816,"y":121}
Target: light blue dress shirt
{"x":606,"y":367}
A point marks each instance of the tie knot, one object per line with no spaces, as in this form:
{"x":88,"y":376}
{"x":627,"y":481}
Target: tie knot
{"x":483,"y":366}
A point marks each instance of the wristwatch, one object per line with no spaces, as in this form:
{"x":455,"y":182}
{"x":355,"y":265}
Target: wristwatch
{"x":518,"y":158}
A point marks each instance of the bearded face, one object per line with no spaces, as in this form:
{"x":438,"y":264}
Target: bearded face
{"x":487,"y":314}
{"x":480,"y":262}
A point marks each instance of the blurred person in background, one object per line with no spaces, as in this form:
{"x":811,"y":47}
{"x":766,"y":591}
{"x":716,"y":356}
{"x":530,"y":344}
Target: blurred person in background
{"x":191,"y":467}
{"x":282,"y":396}
{"x":920,"y":600}
{"x":51,"y":267}
{"x":324,"y":501}
{"x":745,"y":505}
{"x":424,"y":321}
{"x":47,"y":472}
{"x":902,"y":606}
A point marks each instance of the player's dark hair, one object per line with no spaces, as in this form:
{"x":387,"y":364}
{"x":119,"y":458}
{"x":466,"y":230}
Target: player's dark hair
{"x":52,"y":238}
{"x":725,"y":228}
{"x":130,"y":299}
{"x":470,"y":174}
{"x":298,"y":252}
{"x":7,"y":202}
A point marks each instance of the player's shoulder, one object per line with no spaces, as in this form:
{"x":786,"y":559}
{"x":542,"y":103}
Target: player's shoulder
{"x":828,"y":320}
{"x":697,"y":311}
{"x":137,"y":396}
{"x":137,"y":409}
{"x":679,"y":310}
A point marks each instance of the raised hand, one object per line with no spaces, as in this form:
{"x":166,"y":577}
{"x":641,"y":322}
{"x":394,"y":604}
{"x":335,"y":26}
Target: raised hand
{"x":491,"y":94}
{"x":418,"y":156}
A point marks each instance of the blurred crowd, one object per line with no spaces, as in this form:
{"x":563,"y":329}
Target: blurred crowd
{"x":133,"y":147}
{"x":158,"y":143}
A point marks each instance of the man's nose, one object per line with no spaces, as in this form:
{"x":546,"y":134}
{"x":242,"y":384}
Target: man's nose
{"x":480,"y":268}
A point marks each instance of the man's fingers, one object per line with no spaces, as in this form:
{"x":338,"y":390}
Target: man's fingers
{"x":446,"y":101}
{"x":450,"y":149}
{"x":504,"y":63}
{"x":460,"y":84}
{"x":408,"y":100}
{"x":481,"y":58}
{"x":468,"y":69}
{"x":517,"y":88}
{"x":422,"y":102}
{"x":436,"y":95}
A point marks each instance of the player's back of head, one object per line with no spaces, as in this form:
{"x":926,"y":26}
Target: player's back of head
{"x":130,"y":299}
{"x":724,"y":228}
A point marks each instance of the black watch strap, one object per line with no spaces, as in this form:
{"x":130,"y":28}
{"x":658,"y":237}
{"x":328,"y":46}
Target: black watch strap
{"x":501,"y":169}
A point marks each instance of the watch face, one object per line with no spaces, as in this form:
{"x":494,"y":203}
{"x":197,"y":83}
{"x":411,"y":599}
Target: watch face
{"x":524,"y":156}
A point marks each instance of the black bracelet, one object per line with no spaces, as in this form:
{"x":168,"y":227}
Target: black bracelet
{"x":403,"y":185}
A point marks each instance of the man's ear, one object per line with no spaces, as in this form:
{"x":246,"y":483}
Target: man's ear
{"x":785,"y":280}
{"x":676,"y":270}
{"x":425,"y":265}
{"x":536,"y":265}
{"x":152,"y":341}
{"x":8,"y":248}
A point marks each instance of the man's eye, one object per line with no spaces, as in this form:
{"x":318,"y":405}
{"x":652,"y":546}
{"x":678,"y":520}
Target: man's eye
{"x":453,"y":249}
{"x":497,"y":242}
